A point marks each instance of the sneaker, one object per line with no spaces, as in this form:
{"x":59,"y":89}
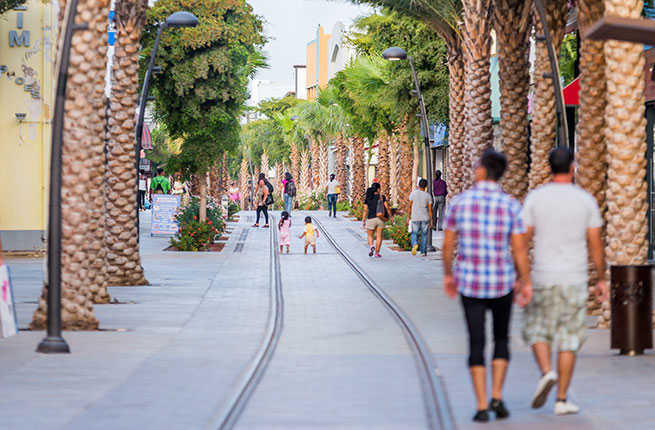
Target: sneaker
{"x":372,"y":251}
{"x":378,"y":256}
{"x":481,"y":416}
{"x":414,"y":249}
{"x":564,"y":407}
{"x":498,"y":407}
{"x":546,"y":383}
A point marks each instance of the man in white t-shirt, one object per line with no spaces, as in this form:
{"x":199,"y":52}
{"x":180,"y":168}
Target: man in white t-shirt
{"x":419,"y":216}
{"x":565,"y":223}
{"x":142,"y":190}
{"x":332,"y":191}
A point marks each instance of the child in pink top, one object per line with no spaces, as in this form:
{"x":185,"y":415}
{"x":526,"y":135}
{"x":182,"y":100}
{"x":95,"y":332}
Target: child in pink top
{"x":285,"y":230}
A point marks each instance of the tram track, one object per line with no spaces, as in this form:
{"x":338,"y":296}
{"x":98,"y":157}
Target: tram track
{"x":253,"y":374}
{"x":436,"y":401}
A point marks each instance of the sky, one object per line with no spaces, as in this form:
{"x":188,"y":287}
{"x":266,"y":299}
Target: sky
{"x":291,"y":24}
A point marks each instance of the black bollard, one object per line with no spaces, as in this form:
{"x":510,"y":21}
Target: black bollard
{"x":631,"y":301}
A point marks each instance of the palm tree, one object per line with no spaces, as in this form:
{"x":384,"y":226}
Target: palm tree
{"x":394,"y":169}
{"x":383,"y":169}
{"x":304,"y":179}
{"x":358,"y":171}
{"x":341,"y":148}
{"x":264,"y":167}
{"x":544,"y":116}
{"x":83,"y":145}
{"x":512,"y":22}
{"x":406,"y":155}
{"x":294,"y":159}
{"x":244,"y":177}
{"x":627,"y":227}
{"x":123,"y":260}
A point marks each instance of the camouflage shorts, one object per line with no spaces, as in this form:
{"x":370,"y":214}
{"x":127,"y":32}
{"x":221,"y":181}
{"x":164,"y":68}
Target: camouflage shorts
{"x":557,"y":311}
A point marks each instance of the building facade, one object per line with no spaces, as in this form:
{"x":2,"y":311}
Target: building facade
{"x":317,"y":63}
{"x":27,"y":53}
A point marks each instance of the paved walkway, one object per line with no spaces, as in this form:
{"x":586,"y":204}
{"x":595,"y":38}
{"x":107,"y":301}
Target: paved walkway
{"x":171,"y":352}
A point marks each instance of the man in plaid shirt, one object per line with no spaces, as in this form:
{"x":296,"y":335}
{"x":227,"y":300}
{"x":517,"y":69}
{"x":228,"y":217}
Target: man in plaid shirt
{"x":486,"y":224}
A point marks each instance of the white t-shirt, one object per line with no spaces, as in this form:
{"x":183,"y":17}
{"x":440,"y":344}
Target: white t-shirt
{"x":420,"y":201}
{"x":332,"y":186}
{"x":560,"y":215}
{"x":142,"y":185}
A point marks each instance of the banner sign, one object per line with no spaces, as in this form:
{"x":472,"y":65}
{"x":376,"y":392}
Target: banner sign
{"x":8,"y":321}
{"x":164,"y":209}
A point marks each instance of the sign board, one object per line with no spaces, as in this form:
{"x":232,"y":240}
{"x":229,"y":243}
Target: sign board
{"x":8,"y":321}
{"x":164,"y":209}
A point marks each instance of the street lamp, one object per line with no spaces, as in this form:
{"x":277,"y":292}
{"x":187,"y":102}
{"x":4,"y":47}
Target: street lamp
{"x":175,"y":20}
{"x":396,"y":54}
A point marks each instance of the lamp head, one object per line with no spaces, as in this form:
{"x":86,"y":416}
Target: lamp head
{"x":181,"y":19}
{"x":394,"y":54}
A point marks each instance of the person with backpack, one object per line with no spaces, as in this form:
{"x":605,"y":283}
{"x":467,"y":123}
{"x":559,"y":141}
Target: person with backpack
{"x":376,"y":212}
{"x":289,"y":192}
{"x":261,"y":198}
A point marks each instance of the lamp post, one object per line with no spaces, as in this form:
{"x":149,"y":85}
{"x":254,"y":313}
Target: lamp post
{"x":175,"y":20}
{"x":396,"y":54}
{"x":54,"y":342}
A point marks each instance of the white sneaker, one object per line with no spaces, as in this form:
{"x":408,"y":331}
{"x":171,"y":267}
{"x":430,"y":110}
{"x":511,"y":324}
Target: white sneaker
{"x":546,"y":383}
{"x":566,"y":408}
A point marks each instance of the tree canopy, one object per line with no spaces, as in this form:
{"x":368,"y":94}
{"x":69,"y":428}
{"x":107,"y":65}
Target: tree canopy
{"x":201,"y":91}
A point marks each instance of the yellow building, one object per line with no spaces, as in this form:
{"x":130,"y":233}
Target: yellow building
{"x":27,"y":52}
{"x":317,"y":63}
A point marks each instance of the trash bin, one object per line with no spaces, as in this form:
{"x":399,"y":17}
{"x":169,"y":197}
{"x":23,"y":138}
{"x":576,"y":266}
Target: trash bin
{"x":631,"y":303}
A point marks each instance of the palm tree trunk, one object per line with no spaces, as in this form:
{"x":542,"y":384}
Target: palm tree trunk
{"x":341,"y":171}
{"x":82,"y":142}
{"x":416,"y":160}
{"x":123,"y":260}
{"x":591,"y":150}
{"x":627,"y":227}
{"x":215,"y":180}
{"x":358,"y":170}
{"x":323,"y":166}
{"x":225,"y":175}
{"x":244,"y":176}
{"x":512,"y":21}
{"x":383,"y":173}
{"x":294,"y":159}
{"x":315,"y":155}
{"x":264,"y":164}
{"x":544,"y":114}
{"x":457,"y":159}
{"x":305,"y":185}
{"x":202,"y":210}
{"x":405,"y":177}
{"x":477,"y":43}
{"x":394,"y":169}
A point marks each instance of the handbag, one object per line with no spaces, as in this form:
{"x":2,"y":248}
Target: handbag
{"x":269,"y":200}
{"x":381,"y":210}
{"x":337,"y":190}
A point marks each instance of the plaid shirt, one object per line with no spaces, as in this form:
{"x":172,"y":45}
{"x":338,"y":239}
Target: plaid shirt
{"x":484,"y":218}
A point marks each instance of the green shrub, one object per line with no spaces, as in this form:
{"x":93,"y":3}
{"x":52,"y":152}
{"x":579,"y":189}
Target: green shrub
{"x":399,"y":232}
{"x":195,"y":236}
{"x":232,"y":209}
{"x":191,"y":211}
{"x":343,"y":206}
{"x":312,"y":202}
{"x":356,"y":210}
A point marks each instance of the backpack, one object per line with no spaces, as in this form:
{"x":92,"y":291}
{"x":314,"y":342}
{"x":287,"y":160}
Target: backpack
{"x":291,"y":189}
{"x":270,"y":188}
{"x":269,"y":198}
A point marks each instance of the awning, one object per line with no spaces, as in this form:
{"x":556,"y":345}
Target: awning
{"x":572,"y":93}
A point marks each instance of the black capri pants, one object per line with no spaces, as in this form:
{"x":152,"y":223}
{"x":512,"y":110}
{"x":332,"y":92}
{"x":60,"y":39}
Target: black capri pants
{"x":475,"y":311}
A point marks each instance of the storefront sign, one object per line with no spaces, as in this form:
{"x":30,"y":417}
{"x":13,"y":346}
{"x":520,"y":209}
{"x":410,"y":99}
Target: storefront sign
{"x":8,"y":321}
{"x":164,"y":209}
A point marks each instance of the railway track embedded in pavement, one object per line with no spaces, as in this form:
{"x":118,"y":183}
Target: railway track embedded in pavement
{"x":437,"y":405}
{"x":257,"y":366}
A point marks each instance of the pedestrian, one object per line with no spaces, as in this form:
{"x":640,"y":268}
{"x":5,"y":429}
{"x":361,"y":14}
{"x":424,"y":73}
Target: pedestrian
{"x":284,"y":226}
{"x":419,"y":216}
{"x":289,"y":192}
{"x":261,"y":197}
{"x":310,"y":234}
{"x":376,"y":211}
{"x":142,"y":190}
{"x":486,"y":224}
{"x":440,"y":191}
{"x":332,"y":191}
{"x":565,"y":223}
{"x":159,"y":184}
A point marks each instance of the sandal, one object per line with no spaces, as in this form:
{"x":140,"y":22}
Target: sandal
{"x":255,"y":225}
{"x":266,"y":226}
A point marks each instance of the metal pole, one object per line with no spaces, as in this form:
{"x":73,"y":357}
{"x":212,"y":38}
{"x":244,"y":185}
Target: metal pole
{"x":553,"y":75}
{"x":54,"y":342}
{"x":426,"y":141}
{"x":142,"y":110}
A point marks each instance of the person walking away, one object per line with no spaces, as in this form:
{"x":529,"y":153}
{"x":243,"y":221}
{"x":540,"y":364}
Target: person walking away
{"x":375,"y":209}
{"x":310,"y":234}
{"x":159,"y":184}
{"x":142,"y":190}
{"x":486,"y":224}
{"x":289,"y":192}
{"x":440,"y":191}
{"x":332,"y":191}
{"x":284,"y":226}
{"x":562,"y":240}
{"x":419,"y":216}
{"x":261,"y":197}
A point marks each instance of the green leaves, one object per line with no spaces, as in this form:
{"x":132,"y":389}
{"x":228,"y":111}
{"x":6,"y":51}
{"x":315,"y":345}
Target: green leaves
{"x":201,"y":91}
